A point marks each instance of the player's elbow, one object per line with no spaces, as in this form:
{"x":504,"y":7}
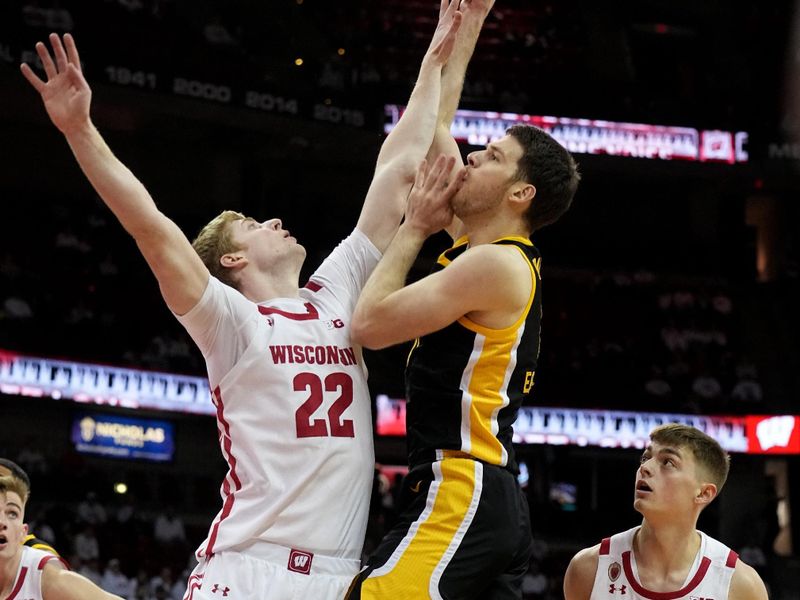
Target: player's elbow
{"x":365,"y":332}
{"x":402,"y":168}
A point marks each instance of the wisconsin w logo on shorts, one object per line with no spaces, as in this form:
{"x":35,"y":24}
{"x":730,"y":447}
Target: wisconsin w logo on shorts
{"x":300,"y":562}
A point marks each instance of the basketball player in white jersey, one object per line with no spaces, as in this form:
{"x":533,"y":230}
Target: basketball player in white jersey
{"x":28,"y":573}
{"x":289,"y":386}
{"x":681,"y":472}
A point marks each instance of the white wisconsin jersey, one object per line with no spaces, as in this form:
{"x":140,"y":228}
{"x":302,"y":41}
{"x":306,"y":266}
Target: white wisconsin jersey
{"x":28,"y":584}
{"x":617,"y":576}
{"x":293,"y":410}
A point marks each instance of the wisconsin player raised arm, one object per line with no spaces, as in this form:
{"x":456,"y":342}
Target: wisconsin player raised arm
{"x":30,"y":573}
{"x":681,"y":472}
{"x":476,"y":320}
{"x":289,"y":385}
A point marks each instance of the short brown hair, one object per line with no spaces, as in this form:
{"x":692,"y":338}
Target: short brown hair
{"x":215,"y":241}
{"x":550,"y":168}
{"x":707,"y":452}
{"x":10,"y":483}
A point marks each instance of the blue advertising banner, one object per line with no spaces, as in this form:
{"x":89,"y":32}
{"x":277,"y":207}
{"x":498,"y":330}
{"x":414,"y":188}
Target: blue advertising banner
{"x":115,"y":436}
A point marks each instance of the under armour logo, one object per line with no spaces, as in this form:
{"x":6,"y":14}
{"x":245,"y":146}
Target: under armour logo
{"x":224,"y":590}
{"x":300,"y":562}
{"x":613,"y":589}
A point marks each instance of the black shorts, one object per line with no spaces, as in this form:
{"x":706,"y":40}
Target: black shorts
{"x":464,"y":533}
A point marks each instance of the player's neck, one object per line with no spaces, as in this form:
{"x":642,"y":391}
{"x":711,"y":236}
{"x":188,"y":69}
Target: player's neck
{"x":262,"y":293}
{"x":666,"y":548}
{"x":8,"y":573}
{"x":262,"y":287}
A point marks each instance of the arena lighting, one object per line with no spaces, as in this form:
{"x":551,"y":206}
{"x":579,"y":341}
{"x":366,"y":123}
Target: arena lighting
{"x":103,"y":384}
{"x":120,"y":488}
{"x":134,"y":388}
{"x":751,"y":434}
{"x":587,"y":136}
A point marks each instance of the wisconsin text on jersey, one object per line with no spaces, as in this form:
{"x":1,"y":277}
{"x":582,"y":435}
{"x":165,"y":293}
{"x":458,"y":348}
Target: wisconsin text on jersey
{"x":313,"y":355}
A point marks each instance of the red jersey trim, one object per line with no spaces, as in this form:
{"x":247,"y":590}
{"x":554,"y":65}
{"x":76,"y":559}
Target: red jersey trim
{"x":644,"y":592}
{"x":605,"y":546}
{"x":47,"y":559}
{"x":195,"y":583}
{"x":22,"y":574}
{"x":732,"y":558}
{"x":230,"y":496}
{"x":313,"y":286}
{"x":311,"y":315}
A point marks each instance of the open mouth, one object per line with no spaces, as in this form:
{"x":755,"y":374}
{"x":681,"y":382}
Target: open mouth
{"x":641,"y":486}
{"x":3,"y":540}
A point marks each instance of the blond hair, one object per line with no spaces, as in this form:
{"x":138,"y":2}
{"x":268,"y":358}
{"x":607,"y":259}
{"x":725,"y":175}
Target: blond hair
{"x":10,"y":483}
{"x":214,"y":241}
{"x":707,"y":452}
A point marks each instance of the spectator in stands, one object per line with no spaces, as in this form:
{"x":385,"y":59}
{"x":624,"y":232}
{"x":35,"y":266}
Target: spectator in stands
{"x":16,"y":307}
{"x":91,"y":570}
{"x":91,"y":511}
{"x":747,"y":391}
{"x":140,"y":586}
{"x":753,"y":555}
{"x":86,"y":546}
{"x":114,"y":580}
{"x":168,"y":528}
{"x":165,"y":581}
{"x":535,"y":583}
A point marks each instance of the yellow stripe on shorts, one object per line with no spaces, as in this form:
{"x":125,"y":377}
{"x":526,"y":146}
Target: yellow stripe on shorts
{"x":417,"y":564}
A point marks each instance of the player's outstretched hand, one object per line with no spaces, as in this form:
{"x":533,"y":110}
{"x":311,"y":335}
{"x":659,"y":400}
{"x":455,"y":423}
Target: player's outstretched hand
{"x":65,"y":94}
{"x":444,"y":38}
{"x":429,"y":209}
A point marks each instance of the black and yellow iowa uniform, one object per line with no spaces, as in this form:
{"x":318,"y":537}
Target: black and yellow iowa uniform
{"x":34,"y":542}
{"x":465,"y":529}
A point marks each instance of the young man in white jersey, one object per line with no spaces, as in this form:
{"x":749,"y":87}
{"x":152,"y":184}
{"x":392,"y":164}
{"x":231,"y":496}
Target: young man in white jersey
{"x":681,"y":472}
{"x":28,"y":573}
{"x":9,"y":467}
{"x":293,"y":408}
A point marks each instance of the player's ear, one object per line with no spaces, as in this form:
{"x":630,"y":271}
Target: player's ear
{"x":521,"y":195}
{"x":233,"y":260}
{"x":706,"y":493}
{"x":522,"y":192}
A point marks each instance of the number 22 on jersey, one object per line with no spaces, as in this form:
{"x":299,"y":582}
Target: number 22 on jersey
{"x":314,"y":386}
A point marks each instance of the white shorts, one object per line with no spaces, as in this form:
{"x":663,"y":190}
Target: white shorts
{"x":270,"y":572}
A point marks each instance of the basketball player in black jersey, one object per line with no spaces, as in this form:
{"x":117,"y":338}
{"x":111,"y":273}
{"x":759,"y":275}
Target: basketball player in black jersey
{"x":465,"y":529}
{"x":9,"y":467}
